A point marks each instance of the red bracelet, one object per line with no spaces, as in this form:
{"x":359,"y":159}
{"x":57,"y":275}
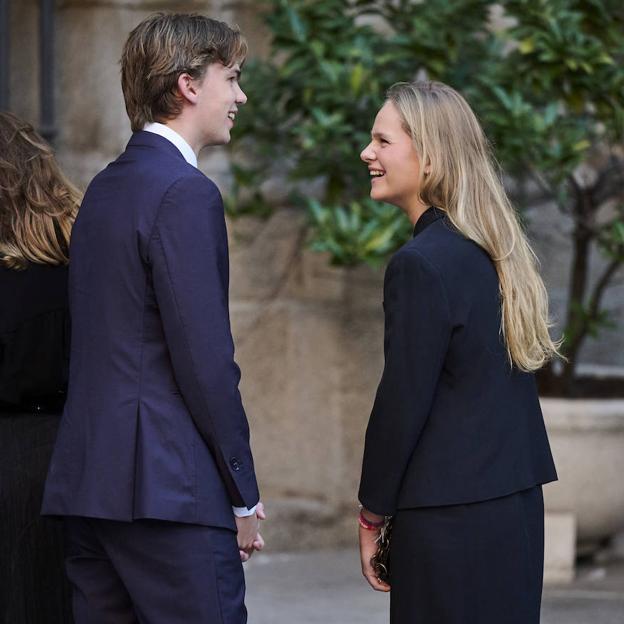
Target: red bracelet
{"x":367,"y":524}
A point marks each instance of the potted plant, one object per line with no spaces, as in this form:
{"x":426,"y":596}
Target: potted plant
{"x":557,"y":119}
{"x":547,"y":80}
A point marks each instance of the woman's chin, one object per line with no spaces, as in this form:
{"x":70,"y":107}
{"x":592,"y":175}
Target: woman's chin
{"x":377,"y":194}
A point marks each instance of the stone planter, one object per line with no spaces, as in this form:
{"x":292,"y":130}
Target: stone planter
{"x":587,"y":440}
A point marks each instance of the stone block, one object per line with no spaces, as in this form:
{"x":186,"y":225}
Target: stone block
{"x":264,"y":255}
{"x":296,"y":523}
{"x":559,"y":548}
{"x":587,"y":441}
{"x":24,"y":65}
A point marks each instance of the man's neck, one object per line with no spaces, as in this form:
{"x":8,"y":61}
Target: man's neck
{"x":174,"y":137}
{"x":185,"y":131}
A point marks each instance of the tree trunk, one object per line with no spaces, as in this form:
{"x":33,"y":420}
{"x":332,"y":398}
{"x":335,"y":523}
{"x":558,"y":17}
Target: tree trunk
{"x":576,"y":325}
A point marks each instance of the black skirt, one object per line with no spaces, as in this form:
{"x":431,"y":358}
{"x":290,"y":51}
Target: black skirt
{"x":480,"y":563}
{"x":33,"y":586}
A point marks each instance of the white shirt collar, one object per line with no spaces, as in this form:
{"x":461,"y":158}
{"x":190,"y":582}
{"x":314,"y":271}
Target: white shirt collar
{"x":171,"y":135}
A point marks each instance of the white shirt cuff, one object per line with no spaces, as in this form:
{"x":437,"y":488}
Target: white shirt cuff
{"x":243,"y":512}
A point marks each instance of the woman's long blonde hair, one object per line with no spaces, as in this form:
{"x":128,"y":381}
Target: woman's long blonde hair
{"x":463,"y":180}
{"x":38,"y":204}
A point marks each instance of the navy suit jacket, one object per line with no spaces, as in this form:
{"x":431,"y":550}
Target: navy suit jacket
{"x":153,"y":426}
{"x":452,"y":421}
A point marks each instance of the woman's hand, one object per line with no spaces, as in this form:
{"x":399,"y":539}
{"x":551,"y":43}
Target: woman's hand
{"x":368,"y":547}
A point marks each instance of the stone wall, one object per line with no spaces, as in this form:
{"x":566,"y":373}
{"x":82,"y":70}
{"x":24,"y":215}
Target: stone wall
{"x":309,"y":336}
{"x":309,"y":340}
{"x":91,"y":120}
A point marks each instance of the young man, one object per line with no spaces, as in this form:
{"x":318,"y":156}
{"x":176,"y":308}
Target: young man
{"x":152,"y":466}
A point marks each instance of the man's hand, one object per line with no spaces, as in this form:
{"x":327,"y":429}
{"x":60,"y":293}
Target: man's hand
{"x":249,"y":538}
{"x":259,"y":541}
{"x":247,"y":535}
{"x":368,"y":547}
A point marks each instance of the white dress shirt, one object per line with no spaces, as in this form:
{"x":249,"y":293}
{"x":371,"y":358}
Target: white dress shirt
{"x":189,"y":155}
{"x":172,"y":136}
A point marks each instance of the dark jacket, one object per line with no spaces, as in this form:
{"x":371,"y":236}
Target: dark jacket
{"x":452,"y":422}
{"x":153,"y":426}
{"x":34,"y":339}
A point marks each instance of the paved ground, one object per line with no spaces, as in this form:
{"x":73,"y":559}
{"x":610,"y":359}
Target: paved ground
{"x":326,"y":588}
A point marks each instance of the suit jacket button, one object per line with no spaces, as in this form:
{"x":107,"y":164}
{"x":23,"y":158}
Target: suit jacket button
{"x":235,"y":464}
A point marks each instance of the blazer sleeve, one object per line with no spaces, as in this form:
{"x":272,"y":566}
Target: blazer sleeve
{"x":188,"y":253}
{"x":417,"y":334}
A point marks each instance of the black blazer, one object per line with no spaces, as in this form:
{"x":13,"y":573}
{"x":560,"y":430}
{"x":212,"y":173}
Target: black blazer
{"x":452,"y":422}
{"x":34,"y":339}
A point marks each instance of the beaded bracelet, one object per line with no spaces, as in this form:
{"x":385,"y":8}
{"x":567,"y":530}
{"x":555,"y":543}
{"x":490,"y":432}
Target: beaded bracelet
{"x":365,"y":523}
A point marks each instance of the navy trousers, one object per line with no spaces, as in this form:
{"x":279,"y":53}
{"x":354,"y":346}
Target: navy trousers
{"x":154,"y":572}
{"x":480,"y":563}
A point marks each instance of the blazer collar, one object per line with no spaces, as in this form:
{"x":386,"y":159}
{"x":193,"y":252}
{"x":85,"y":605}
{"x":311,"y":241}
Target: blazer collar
{"x":428,"y":217}
{"x":149,"y":139}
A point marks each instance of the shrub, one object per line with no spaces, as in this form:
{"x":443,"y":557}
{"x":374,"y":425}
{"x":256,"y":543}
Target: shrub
{"x":546,"y":78}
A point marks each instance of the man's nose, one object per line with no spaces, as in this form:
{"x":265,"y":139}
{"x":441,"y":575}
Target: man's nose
{"x":241,"y":98}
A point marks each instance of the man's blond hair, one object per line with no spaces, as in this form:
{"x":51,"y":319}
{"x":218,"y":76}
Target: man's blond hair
{"x":161,"y":48}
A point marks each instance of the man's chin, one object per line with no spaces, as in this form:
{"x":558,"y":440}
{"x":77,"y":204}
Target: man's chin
{"x":215,"y":141}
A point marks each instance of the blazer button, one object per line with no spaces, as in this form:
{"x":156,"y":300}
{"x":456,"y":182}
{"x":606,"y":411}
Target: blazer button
{"x":235,"y":464}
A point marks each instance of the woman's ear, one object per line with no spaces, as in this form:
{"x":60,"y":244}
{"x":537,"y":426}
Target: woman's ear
{"x":427,"y":170}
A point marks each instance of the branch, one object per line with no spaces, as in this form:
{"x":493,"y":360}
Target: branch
{"x":541,"y":182}
{"x":599,"y":288}
{"x":579,"y":200}
{"x":592,"y":310}
{"x":585,"y":209}
{"x":610,"y":182}
{"x":601,"y":231}
{"x":578,"y":191}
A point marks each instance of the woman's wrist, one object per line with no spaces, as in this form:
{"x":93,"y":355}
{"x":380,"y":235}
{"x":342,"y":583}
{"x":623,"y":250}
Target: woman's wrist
{"x":369,"y":523}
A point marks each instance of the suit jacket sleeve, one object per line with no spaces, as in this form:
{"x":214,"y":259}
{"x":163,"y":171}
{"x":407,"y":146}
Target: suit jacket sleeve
{"x":190,"y":271}
{"x":417,"y":333}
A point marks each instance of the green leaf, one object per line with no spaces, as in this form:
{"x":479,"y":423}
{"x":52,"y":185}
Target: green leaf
{"x":527,"y":45}
{"x":297,"y":26}
{"x":356,"y":77}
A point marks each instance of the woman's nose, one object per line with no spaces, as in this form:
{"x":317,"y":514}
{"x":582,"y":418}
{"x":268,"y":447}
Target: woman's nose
{"x":367,"y":154}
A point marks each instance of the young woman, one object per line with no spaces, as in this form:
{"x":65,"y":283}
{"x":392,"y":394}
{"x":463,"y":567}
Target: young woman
{"x":37,"y":210}
{"x":456,"y":449}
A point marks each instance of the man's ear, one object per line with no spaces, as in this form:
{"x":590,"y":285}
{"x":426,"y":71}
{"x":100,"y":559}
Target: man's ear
{"x":187,"y":87}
